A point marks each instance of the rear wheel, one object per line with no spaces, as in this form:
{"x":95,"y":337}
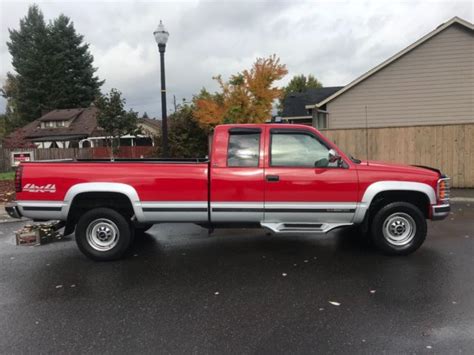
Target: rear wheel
{"x":103,"y":234}
{"x":398,"y":228}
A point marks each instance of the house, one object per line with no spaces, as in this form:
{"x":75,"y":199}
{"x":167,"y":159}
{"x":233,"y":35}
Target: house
{"x":295,"y":111}
{"x":73,"y":128}
{"x":431,"y":82}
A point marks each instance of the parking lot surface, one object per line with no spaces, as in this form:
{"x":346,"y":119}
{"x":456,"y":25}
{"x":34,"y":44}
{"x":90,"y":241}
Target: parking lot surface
{"x":241,"y":291}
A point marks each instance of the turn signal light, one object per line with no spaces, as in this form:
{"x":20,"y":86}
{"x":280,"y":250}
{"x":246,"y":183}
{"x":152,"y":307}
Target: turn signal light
{"x":18,"y":176}
{"x":443,"y":189}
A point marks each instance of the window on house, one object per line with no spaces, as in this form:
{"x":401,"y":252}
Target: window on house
{"x":54,"y":124}
{"x":243,"y":149}
{"x":320,"y":120}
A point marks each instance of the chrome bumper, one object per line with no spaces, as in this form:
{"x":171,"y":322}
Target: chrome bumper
{"x":12,"y":209}
{"x":440,"y":211}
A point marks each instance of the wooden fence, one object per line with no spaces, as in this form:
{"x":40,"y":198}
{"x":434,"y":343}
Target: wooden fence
{"x":75,"y":153}
{"x":449,"y":148}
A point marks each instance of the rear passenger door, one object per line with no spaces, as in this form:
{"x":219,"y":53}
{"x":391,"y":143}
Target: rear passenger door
{"x":237,"y":180}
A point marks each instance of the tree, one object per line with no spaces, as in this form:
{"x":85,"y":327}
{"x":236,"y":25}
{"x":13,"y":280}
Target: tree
{"x":72,"y":76}
{"x":113,"y":118}
{"x":186,"y":138}
{"x":246,"y":98}
{"x":28,"y":48}
{"x":299,"y":83}
{"x":53,"y":68}
{"x":145,"y":115}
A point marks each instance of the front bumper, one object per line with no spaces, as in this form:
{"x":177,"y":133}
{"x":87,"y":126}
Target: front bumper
{"x":13,"y":210}
{"x":439,"y":212}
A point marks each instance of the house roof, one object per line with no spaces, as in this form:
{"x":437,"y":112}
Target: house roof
{"x":84,"y":124}
{"x":150,"y":122}
{"x":295,"y":102}
{"x":454,"y":21}
{"x":61,"y":115}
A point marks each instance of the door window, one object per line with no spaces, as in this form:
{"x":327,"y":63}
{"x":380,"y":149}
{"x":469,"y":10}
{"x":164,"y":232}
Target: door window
{"x":294,"y":149}
{"x":243,"y":149}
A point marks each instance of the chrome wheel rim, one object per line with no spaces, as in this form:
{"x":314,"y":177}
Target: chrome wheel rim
{"x":399,"y":229}
{"x":102,"y":234}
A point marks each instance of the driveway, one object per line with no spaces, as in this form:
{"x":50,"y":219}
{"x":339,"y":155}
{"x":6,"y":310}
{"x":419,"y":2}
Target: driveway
{"x":241,"y":291}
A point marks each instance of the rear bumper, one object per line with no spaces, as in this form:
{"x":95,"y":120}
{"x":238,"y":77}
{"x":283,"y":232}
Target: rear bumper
{"x":439,"y":212}
{"x":13,"y":210}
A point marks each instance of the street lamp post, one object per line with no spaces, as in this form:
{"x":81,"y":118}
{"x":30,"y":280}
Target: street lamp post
{"x":161,"y":37}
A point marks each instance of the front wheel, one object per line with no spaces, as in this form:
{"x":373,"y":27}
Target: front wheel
{"x":398,"y":228}
{"x":103,"y":234}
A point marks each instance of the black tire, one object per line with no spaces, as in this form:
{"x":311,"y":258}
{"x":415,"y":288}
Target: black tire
{"x":142,"y":228}
{"x":398,"y":228}
{"x":103,"y":234}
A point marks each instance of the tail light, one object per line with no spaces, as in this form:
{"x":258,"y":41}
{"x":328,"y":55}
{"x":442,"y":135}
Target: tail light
{"x":18,"y":176}
{"x":443,"y":189}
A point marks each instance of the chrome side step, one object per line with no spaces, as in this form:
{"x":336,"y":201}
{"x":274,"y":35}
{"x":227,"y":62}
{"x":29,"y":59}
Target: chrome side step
{"x":280,"y":227}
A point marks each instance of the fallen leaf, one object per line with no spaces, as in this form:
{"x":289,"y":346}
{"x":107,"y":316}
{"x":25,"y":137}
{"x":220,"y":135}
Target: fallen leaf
{"x":59,"y":286}
{"x":216,"y":293}
{"x":429,"y":347}
{"x":306,"y":261}
{"x":284,"y":274}
{"x":335,"y":303}
{"x":372,"y":291}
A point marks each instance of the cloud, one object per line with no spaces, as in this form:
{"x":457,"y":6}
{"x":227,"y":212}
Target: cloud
{"x":336,"y":41}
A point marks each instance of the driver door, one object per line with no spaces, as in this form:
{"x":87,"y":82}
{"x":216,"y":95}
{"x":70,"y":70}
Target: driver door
{"x":301,"y":185}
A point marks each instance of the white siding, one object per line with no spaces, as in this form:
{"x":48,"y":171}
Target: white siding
{"x":432,"y":84}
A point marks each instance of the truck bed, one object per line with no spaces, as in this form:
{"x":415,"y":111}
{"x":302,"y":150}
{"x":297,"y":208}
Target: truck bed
{"x":153,"y":179}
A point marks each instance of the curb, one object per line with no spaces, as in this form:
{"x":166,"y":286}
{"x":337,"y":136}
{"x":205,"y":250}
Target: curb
{"x":13,"y":220}
{"x":462,"y":199}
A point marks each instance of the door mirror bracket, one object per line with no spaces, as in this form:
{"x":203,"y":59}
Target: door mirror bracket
{"x":334,"y":156}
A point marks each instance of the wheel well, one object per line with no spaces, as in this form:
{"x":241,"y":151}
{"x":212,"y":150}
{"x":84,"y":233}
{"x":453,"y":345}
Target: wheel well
{"x":88,"y":200}
{"x":417,"y":198}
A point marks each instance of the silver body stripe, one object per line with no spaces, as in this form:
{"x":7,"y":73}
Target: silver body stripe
{"x":47,"y":210}
{"x":174,"y":211}
{"x":237,"y":211}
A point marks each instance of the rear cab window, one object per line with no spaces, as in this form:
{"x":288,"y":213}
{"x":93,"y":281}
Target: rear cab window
{"x":243,"y":149}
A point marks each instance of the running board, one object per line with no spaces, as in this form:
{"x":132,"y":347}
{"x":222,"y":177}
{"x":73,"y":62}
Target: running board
{"x":302,"y":227}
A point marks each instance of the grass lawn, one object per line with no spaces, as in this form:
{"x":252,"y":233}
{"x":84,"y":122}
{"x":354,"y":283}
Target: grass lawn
{"x":7,"y":176}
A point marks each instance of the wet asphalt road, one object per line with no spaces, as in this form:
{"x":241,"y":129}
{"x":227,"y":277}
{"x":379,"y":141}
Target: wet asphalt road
{"x":181,"y":291}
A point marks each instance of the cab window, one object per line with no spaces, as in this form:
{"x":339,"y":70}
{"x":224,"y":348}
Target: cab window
{"x":243,"y":149}
{"x":295,"y":149}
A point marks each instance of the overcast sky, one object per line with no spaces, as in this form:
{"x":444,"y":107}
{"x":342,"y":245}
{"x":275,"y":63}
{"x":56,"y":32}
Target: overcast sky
{"x":335,"y":41}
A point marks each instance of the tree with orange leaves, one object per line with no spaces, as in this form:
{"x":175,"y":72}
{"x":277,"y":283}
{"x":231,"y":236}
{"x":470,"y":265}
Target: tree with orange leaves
{"x":246,"y":98}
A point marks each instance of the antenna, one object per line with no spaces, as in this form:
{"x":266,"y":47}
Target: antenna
{"x":367,"y":135}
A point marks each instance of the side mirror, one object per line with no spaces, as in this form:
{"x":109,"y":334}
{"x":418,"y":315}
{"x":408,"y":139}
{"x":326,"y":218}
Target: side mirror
{"x":333,"y":156}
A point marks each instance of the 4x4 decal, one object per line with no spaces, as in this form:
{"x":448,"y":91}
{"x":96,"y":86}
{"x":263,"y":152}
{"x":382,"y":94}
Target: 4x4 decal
{"x":44,"y":188}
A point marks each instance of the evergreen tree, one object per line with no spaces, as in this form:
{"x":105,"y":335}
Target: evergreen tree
{"x":187,"y":139}
{"x":28,"y":48}
{"x":299,"y":83}
{"x":73,"y":83}
{"x":53,"y":68}
{"x":145,"y":115}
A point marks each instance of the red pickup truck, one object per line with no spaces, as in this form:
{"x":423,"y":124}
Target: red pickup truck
{"x":286,"y":178}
